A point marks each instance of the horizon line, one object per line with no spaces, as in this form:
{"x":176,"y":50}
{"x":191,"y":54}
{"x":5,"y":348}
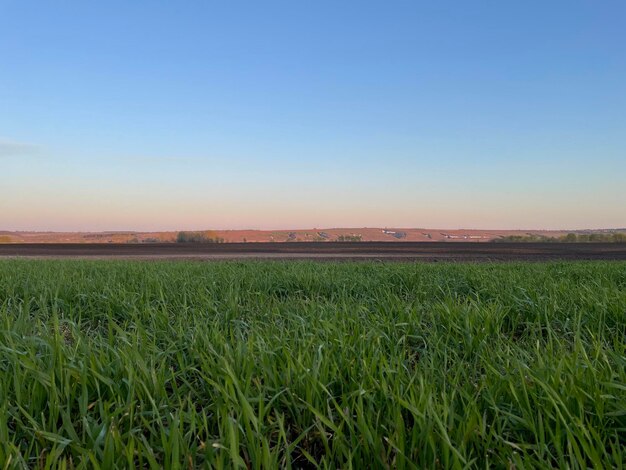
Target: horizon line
{"x":315,"y":229}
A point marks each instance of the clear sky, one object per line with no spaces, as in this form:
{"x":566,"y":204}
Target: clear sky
{"x":154,"y":115}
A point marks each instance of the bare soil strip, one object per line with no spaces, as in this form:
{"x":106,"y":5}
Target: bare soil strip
{"x":406,"y":251}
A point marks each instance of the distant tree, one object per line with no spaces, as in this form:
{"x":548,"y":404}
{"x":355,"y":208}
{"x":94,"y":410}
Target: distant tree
{"x":616,"y":237}
{"x":197,"y":237}
{"x":619,"y":237}
{"x":570,"y":237}
{"x":530,"y":238}
{"x":349,"y":238}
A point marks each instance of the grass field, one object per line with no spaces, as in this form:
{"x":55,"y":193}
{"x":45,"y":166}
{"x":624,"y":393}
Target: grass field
{"x":274,"y":364}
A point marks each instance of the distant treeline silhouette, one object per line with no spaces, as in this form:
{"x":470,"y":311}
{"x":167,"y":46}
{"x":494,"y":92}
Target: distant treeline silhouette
{"x":350,"y":238}
{"x":197,"y":237}
{"x":615,"y":237}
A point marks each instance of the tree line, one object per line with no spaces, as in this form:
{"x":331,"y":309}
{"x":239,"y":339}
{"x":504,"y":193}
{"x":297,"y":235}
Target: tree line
{"x":197,"y":237}
{"x":615,"y":237}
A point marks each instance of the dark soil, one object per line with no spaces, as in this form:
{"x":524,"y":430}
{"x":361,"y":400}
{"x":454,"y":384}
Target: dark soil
{"x":406,"y":251}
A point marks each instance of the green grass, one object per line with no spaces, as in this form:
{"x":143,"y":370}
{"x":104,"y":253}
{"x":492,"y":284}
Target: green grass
{"x":301,"y":364}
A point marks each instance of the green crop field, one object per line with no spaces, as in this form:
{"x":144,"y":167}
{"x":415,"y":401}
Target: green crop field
{"x":300,"y":364}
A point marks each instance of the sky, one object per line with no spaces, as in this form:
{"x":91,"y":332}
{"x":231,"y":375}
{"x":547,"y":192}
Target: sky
{"x":159,"y":115}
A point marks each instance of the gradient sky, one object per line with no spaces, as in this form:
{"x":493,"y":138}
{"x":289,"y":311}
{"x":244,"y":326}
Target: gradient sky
{"x":147,"y":115}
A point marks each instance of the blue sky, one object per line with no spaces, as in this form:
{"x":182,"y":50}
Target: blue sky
{"x":179,"y":115}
